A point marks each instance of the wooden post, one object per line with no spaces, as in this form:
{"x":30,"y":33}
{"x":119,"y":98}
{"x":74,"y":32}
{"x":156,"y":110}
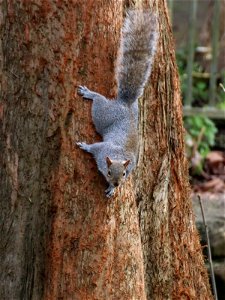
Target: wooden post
{"x":208,"y":249}
{"x":191,"y":45}
{"x":215,"y":52}
{"x":171,"y":2}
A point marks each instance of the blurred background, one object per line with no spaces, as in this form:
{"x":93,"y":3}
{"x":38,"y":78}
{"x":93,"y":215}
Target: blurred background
{"x":199,"y":33}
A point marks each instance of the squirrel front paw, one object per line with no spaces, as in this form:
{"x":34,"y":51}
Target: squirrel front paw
{"x":84,"y":92}
{"x":109,"y":192}
{"x":83,"y":146}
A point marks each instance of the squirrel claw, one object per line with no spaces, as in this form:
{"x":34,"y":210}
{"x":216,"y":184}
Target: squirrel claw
{"x":83,"y":146}
{"x":82,"y":90}
{"x":85,"y":92}
{"x":109,"y":192}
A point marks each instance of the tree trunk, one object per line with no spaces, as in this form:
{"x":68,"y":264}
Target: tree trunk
{"x":174,"y":266}
{"x":61,"y":237}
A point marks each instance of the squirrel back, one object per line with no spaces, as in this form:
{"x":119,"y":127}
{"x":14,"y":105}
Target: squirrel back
{"x":137,"y":49}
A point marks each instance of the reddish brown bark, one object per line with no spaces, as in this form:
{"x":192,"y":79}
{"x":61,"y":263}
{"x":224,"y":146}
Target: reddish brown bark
{"x":63,"y":239}
{"x":174,"y":266}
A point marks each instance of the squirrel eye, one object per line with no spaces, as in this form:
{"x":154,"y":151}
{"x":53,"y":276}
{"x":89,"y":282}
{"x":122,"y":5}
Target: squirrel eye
{"x":124,"y":173}
{"x":109,"y":173}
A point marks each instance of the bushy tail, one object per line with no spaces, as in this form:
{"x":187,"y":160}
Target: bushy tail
{"x":137,"y":49}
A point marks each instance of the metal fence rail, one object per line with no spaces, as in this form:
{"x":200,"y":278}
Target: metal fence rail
{"x":211,"y":110}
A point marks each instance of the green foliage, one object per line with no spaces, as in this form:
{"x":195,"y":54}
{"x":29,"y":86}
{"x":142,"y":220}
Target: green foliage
{"x":200,"y":91}
{"x":200,"y":86}
{"x":181,"y":57}
{"x":221,"y":105}
{"x":200,"y":137}
{"x":200,"y":82}
{"x":200,"y":131}
{"x":221,"y":95}
{"x":198,"y":125}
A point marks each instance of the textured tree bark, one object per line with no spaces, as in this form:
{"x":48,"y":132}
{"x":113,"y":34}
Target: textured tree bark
{"x":61,"y":238}
{"x":174,"y":266}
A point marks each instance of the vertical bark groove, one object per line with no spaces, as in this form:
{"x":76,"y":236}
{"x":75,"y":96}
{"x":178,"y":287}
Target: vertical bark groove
{"x":174,"y":266}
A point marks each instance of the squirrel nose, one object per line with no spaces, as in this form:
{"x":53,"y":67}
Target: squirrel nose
{"x":116,"y":183}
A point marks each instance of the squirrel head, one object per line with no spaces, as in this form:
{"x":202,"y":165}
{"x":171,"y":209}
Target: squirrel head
{"x":116,"y":171}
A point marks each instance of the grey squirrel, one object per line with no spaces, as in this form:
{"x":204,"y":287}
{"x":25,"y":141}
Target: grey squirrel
{"x":117,"y":120}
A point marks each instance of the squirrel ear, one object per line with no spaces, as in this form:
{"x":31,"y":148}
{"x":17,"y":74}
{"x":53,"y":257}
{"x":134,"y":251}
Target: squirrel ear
{"x":126,"y":163}
{"x":108,"y":161}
